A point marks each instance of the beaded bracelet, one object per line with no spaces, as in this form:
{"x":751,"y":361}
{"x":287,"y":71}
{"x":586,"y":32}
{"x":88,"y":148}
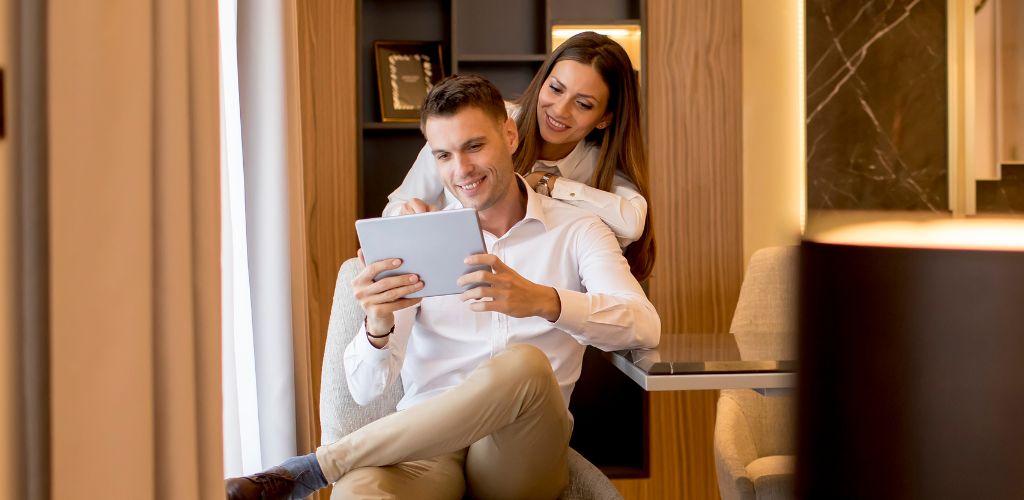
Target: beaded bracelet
{"x":372,"y":336}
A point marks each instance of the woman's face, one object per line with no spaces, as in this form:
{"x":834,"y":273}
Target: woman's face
{"x":573,"y":100}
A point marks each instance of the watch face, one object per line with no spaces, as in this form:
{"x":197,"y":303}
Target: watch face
{"x":542,"y":186}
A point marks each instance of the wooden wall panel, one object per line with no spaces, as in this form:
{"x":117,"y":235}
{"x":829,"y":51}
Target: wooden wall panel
{"x":327,"y":58}
{"x":694,"y":115}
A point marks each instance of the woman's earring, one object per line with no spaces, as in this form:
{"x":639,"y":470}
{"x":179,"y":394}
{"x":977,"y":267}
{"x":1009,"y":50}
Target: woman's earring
{"x":602,"y":125}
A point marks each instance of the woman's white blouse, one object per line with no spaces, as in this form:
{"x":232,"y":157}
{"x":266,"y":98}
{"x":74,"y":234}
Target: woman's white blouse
{"x":623,"y":209}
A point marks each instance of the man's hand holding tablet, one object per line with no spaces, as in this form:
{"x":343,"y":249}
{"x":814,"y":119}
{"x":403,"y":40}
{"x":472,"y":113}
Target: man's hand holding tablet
{"x":432,"y":245}
{"x":430,"y":253}
{"x":410,"y":257}
{"x":380,"y":299}
{"x":508,"y":292}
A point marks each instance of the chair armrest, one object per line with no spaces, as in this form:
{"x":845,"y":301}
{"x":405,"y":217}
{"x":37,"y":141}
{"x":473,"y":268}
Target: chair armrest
{"x":587,"y":482}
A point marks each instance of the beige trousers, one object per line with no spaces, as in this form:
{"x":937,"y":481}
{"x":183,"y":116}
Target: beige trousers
{"x":502,"y":433}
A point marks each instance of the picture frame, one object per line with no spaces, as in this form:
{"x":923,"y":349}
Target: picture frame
{"x":406,"y":71}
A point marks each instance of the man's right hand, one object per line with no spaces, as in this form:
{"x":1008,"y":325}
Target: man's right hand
{"x":416,"y":206}
{"x":380,"y":299}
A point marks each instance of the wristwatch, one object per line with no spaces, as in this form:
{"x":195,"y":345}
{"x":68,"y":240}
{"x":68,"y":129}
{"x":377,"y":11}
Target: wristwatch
{"x":542,"y":185}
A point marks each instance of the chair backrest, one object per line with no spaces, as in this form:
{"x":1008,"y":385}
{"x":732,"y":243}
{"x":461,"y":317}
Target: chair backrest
{"x":765,"y":328}
{"x":765,"y":319}
{"x":339,"y":413}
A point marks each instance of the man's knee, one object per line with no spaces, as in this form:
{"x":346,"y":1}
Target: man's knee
{"x":520,"y":366}
{"x":527,"y":361}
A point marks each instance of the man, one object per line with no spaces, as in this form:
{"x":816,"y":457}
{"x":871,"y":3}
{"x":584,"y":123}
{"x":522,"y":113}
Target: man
{"x":487,"y":373}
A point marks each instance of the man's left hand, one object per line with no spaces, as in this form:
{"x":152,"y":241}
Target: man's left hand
{"x":509,"y":292}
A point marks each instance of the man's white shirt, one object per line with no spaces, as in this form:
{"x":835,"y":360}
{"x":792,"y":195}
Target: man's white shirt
{"x":437,"y":343}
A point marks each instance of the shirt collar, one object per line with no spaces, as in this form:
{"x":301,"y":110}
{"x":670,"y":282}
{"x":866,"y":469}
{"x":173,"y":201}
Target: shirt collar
{"x":534,"y":204}
{"x":567,"y":165}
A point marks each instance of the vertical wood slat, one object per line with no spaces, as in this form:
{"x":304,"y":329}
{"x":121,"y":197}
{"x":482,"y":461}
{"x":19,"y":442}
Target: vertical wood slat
{"x":327,"y":58}
{"x":307,"y":432}
{"x":694,"y":114}
{"x":12,"y":417}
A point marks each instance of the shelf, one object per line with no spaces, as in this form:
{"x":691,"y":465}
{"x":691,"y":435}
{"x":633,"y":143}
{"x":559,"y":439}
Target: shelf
{"x":391,"y":126}
{"x":502,"y":58}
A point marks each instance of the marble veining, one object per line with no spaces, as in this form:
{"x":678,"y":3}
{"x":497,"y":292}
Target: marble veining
{"x":876,"y":105}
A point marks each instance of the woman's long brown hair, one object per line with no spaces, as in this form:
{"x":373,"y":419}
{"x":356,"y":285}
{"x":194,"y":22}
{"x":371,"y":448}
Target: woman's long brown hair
{"x":621,"y":142}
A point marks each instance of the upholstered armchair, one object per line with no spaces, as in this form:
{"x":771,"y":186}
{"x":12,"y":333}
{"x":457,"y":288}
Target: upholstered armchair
{"x":755,"y":442}
{"x":340,"y":415}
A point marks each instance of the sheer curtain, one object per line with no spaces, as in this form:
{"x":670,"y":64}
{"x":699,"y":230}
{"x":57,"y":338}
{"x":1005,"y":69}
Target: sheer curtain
{"x":258,"y":354}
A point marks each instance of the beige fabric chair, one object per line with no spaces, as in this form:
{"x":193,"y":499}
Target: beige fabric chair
{"x":755,"y":442}
{"x":340,"y":415}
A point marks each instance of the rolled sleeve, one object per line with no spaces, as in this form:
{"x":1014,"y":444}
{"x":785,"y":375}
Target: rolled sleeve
{"x":366,"y":350}
{"x":623,"y":209}
{"x":370,"y":371}
{"x":569,"y":190}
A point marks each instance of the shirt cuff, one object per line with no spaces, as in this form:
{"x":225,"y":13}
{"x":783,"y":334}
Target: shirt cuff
{"x":568,"y":190}
{"x":575,"y":308}
{"x":367,"y":351}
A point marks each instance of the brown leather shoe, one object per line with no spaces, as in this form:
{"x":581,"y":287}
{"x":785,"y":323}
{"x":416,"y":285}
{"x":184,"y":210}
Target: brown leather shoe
{"x":275,"y":483}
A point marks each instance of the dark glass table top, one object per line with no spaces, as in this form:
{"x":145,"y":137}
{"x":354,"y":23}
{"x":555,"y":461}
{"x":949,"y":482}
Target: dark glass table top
{"x":702,"y":361}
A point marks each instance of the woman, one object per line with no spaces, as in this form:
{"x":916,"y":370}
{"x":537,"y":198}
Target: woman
{"x":580,"y":142}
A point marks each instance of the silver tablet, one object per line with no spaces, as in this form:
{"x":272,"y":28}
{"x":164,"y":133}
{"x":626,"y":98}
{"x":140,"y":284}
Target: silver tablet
{"x":432,"y":245}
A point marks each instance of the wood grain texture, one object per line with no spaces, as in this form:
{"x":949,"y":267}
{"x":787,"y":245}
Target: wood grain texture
{"x":695,"y":142}
{"x":307,"y":433}
{"x":327,"y":56}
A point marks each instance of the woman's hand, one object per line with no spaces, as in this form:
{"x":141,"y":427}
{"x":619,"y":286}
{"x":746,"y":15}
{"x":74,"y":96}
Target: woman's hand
{"x":509,"y":292}
{"x":416,"y":206}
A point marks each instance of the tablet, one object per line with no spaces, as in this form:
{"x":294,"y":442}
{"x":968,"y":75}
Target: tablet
{"x":432,"y":245}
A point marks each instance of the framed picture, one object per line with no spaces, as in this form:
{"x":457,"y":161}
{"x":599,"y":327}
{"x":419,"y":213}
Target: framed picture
{"x":405,"y":72}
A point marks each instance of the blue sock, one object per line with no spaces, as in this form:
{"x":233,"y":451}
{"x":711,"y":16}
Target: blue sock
{"x":307,"y":473}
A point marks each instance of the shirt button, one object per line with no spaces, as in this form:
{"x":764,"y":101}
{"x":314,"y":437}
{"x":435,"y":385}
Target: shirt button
{"x":572,"y":194}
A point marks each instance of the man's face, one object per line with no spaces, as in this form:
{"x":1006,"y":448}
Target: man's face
{"x":474,"y":156}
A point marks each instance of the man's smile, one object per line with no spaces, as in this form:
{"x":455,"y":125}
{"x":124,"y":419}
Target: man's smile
{"x":471,"y":186}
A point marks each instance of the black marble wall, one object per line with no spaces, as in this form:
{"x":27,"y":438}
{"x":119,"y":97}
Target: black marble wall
{"x":876,"y":105}
{"x":1005,"y":195}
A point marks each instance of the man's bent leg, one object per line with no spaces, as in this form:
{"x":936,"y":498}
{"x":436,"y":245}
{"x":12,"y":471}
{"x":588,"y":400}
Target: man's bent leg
{"x":529,"y":457}
{"x":438,"y":478}
{"x":513,"y":385}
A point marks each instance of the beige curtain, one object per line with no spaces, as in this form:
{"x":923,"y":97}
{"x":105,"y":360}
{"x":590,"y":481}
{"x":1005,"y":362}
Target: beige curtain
{"x":134,"y":247}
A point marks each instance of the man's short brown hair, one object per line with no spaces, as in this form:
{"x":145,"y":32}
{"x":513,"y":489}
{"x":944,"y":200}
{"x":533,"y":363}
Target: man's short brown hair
{"x":456,"y":92}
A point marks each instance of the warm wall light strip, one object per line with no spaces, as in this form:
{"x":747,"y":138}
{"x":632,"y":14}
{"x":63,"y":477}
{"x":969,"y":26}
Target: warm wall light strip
{"x":960,"y":75}
{"x":966,"y":234}
{"x":801,"y":112}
